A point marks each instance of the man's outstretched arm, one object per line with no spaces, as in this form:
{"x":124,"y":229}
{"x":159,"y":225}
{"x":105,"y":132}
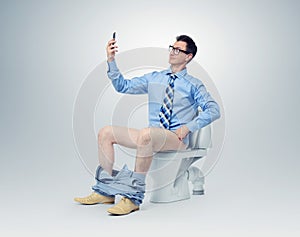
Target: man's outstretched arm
{"x":136,"y":85}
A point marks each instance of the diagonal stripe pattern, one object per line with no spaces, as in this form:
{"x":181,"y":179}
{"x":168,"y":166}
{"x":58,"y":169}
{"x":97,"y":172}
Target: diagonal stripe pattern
{"x":166,"y":108}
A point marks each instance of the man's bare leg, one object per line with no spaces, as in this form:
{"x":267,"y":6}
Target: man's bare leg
{"x":110,"y":135}
{"x":107,"y":137}
{"x":146,"y":141}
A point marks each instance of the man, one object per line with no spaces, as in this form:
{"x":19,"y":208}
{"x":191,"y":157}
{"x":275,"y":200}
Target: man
{"x":174,"y":98}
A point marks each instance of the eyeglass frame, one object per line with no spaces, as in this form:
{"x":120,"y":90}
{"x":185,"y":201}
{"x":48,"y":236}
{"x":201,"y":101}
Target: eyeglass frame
{"x":172,"y":48}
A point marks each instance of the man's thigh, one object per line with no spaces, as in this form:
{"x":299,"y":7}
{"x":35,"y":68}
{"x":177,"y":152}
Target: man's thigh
{"x":125,"y":136}
{"x":164,"y":140}
{"x":161,"y":139}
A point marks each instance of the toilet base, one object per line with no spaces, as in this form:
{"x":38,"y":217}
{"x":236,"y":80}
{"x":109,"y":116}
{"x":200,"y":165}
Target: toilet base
{"x":179,"y":190}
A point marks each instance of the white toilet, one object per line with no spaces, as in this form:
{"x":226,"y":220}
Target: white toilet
{"x":171,"y":171}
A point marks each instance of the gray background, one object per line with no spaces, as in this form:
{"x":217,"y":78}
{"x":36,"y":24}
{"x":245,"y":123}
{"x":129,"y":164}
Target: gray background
{"x":249,"y":48}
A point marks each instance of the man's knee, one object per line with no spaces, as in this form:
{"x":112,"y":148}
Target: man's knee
{"x":144,"y":137}
{"x":105,"y":133}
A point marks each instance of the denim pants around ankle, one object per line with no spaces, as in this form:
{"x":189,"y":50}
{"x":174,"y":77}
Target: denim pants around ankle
{"x":124,"y":182}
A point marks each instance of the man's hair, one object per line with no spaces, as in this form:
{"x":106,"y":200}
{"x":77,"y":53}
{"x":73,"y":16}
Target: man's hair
{"x":190,"y":44}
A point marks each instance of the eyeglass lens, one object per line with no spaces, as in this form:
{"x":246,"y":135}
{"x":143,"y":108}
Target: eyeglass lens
{"x":175,"y":51}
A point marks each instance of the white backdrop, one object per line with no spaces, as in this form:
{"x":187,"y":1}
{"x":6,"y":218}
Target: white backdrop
{"x":249,"y":48}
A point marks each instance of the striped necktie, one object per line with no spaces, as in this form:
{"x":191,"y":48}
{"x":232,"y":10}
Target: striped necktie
{"x":166,"y":108}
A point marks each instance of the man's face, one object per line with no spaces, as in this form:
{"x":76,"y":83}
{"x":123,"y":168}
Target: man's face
{"x":181,"y":58}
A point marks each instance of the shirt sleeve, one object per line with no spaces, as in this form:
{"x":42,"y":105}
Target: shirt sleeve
{"x":210,"y":110}
{"x":136,"y":85}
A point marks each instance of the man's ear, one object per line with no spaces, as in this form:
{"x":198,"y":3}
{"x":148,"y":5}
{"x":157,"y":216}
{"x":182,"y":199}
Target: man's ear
{"x":189,"y":57}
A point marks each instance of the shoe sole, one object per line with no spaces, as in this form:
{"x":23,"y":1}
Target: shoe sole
{"x":86,"y":203}
{"x":122,"y":214}
{"x":95,"y":203}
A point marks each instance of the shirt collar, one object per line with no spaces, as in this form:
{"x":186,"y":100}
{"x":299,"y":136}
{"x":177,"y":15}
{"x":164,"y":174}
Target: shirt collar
{"x":180,"y":74}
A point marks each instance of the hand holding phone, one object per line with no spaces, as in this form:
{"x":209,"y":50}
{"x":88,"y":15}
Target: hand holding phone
{"x":111,"y":48}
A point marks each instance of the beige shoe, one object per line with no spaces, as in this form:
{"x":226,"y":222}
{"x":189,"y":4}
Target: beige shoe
{"x":95,"y":198}
{"x":125,"y":206}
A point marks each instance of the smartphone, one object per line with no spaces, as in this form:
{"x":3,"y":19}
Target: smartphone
{"x":114,"y":35}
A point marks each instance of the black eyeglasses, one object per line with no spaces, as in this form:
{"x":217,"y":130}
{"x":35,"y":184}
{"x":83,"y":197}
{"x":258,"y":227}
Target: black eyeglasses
{"x":177,"y":50}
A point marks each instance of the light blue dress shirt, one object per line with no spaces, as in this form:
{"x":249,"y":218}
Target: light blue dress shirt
{"x":190,"y":95}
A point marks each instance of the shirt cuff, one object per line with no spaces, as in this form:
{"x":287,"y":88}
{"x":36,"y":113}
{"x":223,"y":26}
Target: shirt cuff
{"x":112,"y":66}
{"x":192,"y":126}
{"x":113,"y":71}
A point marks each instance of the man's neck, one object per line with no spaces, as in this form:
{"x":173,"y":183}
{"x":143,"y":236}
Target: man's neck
{"x":177,"y":68}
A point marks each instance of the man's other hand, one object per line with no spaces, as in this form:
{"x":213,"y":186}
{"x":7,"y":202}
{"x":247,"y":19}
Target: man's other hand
{"x":182,"y":132}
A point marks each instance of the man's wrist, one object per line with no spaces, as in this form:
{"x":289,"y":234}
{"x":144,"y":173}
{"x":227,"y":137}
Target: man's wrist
{"x":110,"y":59}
